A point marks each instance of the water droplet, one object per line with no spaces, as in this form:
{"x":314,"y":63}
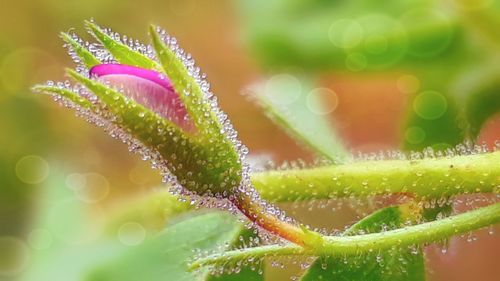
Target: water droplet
{"x":345,"y":33}
{"x":430,"y":105}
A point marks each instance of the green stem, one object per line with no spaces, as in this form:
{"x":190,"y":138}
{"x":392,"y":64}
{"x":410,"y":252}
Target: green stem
{"x":359,"y":244}
{"x":425,"y":179}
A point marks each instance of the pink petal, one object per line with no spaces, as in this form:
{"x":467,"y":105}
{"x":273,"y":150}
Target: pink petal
{"x":147,"y":87}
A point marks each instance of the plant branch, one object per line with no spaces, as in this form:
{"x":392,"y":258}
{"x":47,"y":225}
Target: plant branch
{"x":359,"y":244}
{"x":429,"y":178}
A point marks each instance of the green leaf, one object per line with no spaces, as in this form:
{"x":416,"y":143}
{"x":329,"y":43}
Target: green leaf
{"x":65,"y":218}
{"x":151,"y":211}
{"x":121,"y":52}
{"x":166,"y":257}
{"x":66,"y":221}
{"x":290,"y":104}
{"x":397,"y":264}
{"x":246,"y":273}
{"x":87,"y":58}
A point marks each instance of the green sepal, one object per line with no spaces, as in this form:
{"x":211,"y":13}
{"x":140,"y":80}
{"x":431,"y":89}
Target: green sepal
{"x":86,"y":57}
{"x":188,"y":89}
{"x":121,"y":52}
{"x":64,"y":93}
{"x":223,"y":157}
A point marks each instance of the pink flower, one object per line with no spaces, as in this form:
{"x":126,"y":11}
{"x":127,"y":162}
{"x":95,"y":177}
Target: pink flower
{"x":147,"y":87}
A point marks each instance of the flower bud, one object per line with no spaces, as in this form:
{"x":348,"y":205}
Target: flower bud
{"x":162,"y":109}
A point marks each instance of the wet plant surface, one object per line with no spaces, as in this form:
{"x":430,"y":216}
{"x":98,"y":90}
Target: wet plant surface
{"x":225,"y":213}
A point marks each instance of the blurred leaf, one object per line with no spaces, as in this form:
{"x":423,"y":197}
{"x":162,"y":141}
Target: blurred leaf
{"x":482,"y":103}
{"x":24,"y":131}
{"x":347,"y":35}
{"x":166,"y":257}
{"x":152,"y":211}
{"x":415,"y":36}
{"x":396,"y":264}
{"x":65,"y":222}
{"x":76,"y":248}
{"x":434,"y":121}
{"x":246,"y":273}
{"x":73,"y":261}
{"x":290,"y":103}
{"x":435,"y":115}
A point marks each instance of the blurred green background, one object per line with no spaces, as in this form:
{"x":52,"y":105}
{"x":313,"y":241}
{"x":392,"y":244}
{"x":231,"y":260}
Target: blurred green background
{"x":400,"y":75}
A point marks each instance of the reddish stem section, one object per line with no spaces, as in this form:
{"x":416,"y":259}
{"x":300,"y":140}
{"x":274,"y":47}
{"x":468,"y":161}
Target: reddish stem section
{"x":257,"y":213}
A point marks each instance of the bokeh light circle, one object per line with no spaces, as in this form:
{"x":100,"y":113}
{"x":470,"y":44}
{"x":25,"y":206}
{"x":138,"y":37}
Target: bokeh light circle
{"x":75,"y":180}
{"x":408,"y":84}
{"x":88,"y":187}
{"x":430,"y":105}
{"x":415,"y":135}
{"x":283,"y":89}
{"x":345,"y":33}
{"x":322,"y":101}
{"x":14,"y":256}
{"x":32,"y":169}
{"x":40,"y":239}
{"x":131,"y":233}
{"x":355,"y":61}
{"x":385,"y":41}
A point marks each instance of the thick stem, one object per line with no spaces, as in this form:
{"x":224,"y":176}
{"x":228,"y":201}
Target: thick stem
{"x":359,"y":244}
{"x":425,"y":179}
